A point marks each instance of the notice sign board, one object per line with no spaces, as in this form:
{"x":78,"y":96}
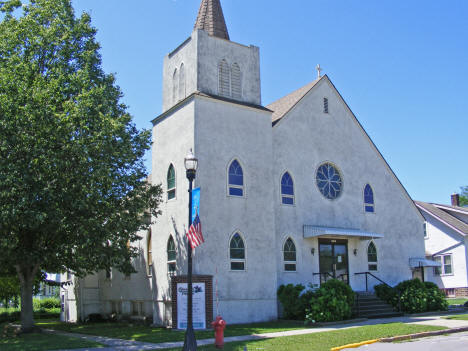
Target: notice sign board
{"x":198,"y":305}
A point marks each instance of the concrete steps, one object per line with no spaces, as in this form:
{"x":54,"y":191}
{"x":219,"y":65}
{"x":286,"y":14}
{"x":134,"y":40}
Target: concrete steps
{"x":368,"y":305}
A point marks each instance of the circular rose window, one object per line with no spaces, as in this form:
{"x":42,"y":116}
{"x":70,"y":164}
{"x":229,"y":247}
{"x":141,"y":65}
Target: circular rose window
{"x":329,"y":181}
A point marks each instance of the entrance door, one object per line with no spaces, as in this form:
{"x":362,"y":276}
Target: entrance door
{"x":333,"y":260}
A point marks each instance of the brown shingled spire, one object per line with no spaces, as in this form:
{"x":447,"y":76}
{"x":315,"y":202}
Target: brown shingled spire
{"x":211,"y":19}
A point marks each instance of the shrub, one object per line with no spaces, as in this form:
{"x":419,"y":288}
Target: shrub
{"x":333,"y":301}
{"x":290,"y":298}
{"x":47,"y":304}
{"x":415,"y":296}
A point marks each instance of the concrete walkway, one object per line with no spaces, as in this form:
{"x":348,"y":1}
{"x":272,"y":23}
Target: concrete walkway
{"x":127,"y":345}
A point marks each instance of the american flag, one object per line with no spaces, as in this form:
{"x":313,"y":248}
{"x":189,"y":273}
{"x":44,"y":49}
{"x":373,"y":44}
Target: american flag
{"x":194,"y":233}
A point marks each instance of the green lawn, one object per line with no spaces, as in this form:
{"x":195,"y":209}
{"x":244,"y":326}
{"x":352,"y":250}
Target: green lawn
{"x":40,"y":342}
{"x":457,"y":301}
{"x":462,"y":317}
{"x":323,"y":341}
{"x":157,"y":335}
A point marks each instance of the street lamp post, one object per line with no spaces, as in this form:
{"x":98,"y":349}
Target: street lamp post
{"x":190,"y":343}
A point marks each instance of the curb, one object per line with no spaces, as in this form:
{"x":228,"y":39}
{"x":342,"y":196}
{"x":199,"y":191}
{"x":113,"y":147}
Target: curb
{"x":403,"y":337}
{"x":368,"y":342}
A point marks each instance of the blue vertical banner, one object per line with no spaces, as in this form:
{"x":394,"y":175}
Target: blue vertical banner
{"x":195,"y":202}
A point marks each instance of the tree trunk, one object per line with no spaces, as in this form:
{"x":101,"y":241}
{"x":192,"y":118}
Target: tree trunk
{"x":26,"y":276}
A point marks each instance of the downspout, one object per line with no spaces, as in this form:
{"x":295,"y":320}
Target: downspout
{"x":81,"y":299}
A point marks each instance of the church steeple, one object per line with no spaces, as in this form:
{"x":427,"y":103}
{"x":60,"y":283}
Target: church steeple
{"x":211,"y":19}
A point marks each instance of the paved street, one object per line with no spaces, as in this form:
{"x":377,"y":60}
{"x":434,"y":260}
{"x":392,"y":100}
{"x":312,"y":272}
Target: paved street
{"x":457,"y":341}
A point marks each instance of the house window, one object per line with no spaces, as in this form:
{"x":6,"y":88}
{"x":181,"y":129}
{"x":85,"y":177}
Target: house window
{"x":137,"y":308}
{"x":149,"y":252}
{"x":171,"y":183}
{"x":425,"y":229}
{"x":235,"y":179}
{"x":116,"y":307}
{"x":175,"y":78}
{"x":237,"y":253}
{"x":182,"y":82}
{"x":446,"y":265}
{"x":368,"y":198}
{"x":329,"y":181}
{"x":289,"y":256}
{"x":171,"y":256}
{"x":224,"y":79}
{"x":236,"y":82}
{"x":287,"y":189}
{"x":325,"y":105}
{"x":372,"y":256}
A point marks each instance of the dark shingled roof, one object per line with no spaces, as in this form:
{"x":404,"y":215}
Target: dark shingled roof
{"x":444,"y":216}
{"x":211,"y":19}
{"x":285,"y":104}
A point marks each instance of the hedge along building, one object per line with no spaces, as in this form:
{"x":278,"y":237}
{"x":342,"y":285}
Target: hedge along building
{"x":294,"y":192}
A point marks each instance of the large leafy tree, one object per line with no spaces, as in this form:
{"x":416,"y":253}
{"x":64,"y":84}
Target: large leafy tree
{"x":73,"y":186}
{"x":464,"y":196}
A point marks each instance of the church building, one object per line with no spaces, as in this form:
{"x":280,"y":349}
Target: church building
{"x":290,"y":192}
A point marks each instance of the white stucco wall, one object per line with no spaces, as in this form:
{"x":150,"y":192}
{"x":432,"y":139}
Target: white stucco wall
{"x":306,"y":138}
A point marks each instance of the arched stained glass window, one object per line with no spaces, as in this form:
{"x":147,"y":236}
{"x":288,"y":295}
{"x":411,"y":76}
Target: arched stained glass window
{"x":329,"y":181}
{"x":372,"y":256}
{"x":289,"y":256}
{"x":171,"y":183}
{"x":182,"y":82}
{"x":171,"y":256}
{"x":175,"y":81}
{"x":235,"y":179}
{"x":368,"y":198}
{"x":224,"y":79}
{"x":287,"y":189}
{"x":149,"y":252}
{"x":236,"y":81}
{"x":237,"y":253}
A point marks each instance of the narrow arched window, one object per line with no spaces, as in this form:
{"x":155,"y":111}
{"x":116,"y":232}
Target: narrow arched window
{"x":325,"y":105}
{"x":368,"y":198}
{"x":175,"y":81}
{"x":149,"y":252}
{"x":289,"y":256}
{"x":224,"y":79}
{"x":287,"y":189}
{"x":171,"y":183}
{"x":182,"y":82}
{"x":236,"y":81}
{"x":171,"y":256}
{"x":237,"y":253}
{"x":236,"y":179}
{"x":372,"y":256}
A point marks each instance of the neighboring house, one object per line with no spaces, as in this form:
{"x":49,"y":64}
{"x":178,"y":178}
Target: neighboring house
{"x":446,"y":242}
{"x":294,"y":192}
{"x":48,"y":290}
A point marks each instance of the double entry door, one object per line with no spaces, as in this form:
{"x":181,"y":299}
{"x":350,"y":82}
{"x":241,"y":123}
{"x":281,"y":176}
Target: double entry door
{"x":333,"y":257}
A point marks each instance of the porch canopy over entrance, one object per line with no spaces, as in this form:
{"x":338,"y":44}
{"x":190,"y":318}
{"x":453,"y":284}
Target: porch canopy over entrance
{"x":311,"y":231}
{"x":416,"y":262}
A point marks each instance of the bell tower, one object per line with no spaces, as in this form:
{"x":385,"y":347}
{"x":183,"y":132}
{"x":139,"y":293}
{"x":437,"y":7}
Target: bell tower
{"x":209,"y":62}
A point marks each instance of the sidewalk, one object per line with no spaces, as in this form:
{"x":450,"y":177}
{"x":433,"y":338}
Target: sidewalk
{"x":128,"y":345}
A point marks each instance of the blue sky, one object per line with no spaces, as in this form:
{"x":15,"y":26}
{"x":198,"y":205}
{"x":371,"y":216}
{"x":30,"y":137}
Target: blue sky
{"x":402,"y":67}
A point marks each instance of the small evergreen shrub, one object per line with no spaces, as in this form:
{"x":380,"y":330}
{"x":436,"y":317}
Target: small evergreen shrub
{"x":291,"y":300}
{"x":435,"y":298}
{"x":333,"y":301}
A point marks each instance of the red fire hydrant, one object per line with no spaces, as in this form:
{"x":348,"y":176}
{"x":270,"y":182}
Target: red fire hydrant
{"x":218,"y":325}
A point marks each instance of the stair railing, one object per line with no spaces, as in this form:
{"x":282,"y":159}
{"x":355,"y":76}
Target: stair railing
{"x":325,"y":274}
{"x":380,"y":280}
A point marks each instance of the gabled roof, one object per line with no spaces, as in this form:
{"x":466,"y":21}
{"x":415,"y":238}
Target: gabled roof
{"x":459,"y":209}
{"x":285,"y":104}
{"x":211,"y":19}
{"x":443,"y":216}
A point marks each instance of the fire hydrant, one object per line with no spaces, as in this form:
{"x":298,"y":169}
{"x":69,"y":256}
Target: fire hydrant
{"x":218,"y":325}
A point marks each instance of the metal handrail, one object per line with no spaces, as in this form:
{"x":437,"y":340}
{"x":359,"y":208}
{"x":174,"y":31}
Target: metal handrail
{"x":324,"y":274}
{"x":380,"y":280}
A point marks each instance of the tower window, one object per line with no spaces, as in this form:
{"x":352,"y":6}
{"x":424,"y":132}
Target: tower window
{"x":175,"y":78}
{"x":235,"y":179}
{"x":236,"y":82}
{"x":182,"y":82}
{"x":224,"y":79}
{"x":372,"y":256}
{"x":289,"y":256}
{"x":287,"y":189}
{"x":368,"y":198}
{"x":171,"y":183}
{"x":325,"y":105}
{"x":171,"y":256}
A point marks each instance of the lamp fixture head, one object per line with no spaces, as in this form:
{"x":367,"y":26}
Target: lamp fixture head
{"x":355,"y":252}
{"x":191,"y":162}
{"x":312,"y":251}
